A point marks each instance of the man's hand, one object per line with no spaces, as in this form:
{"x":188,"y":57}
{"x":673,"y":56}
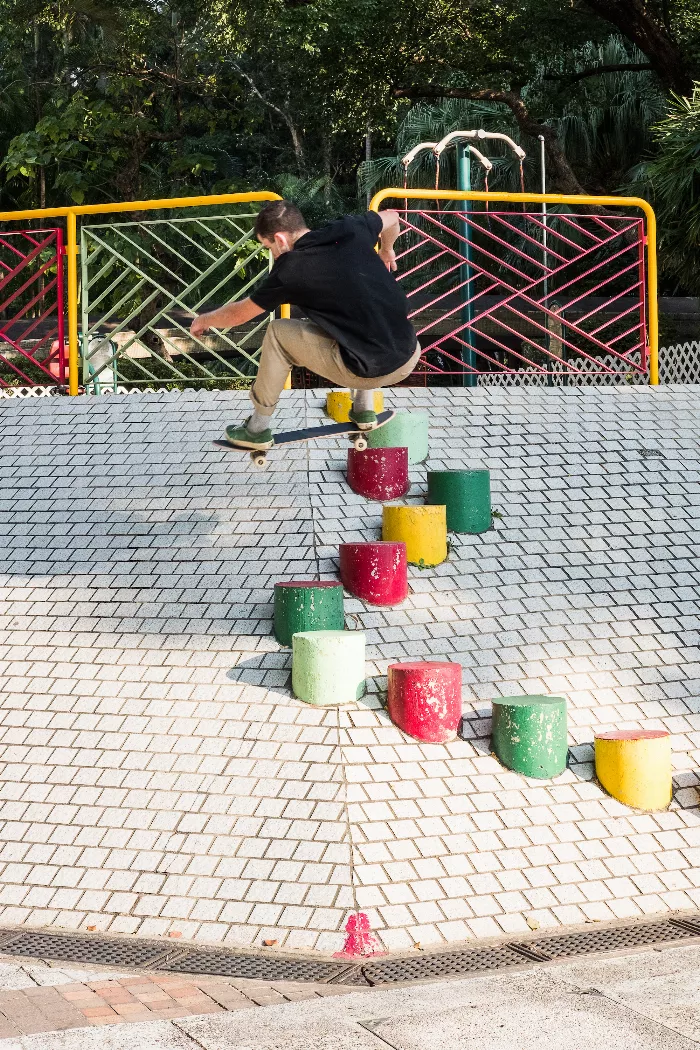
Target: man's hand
{"x":388,"y":257}
{"x":226,"y":316}
{"x":200,"y":324}
{"x":391,"y":227}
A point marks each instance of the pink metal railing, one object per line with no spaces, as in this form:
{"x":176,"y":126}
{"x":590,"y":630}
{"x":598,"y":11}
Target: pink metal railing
{"x":508,"y":290}
{"x":32,"y":344}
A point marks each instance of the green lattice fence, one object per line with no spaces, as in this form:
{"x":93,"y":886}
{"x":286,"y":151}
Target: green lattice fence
{"x":142,"y":281}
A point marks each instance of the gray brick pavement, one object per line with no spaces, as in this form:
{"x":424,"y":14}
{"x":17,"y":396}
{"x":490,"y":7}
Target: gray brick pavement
{"x":156,"y":773}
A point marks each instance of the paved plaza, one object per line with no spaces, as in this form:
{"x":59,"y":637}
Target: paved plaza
{"x":37,"y":998}
{"x":156,"y":774}
{"x":645,"y":1001}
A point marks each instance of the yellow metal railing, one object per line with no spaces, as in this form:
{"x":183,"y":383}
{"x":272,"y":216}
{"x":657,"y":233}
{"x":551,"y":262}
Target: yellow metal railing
{"x":561,"y":198}
{"x":71,"y":216}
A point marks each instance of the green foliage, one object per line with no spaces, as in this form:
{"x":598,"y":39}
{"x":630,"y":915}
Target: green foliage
{"x":109,"y":102}
{"x":672,"y":179}
{"x":603,"y":123}
{"x":319,"y":199}
{"x":104,"y":100}
{"x":86,"y":142}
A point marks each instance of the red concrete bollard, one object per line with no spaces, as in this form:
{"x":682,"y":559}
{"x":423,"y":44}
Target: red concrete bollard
{"x":425,"y":700}
{"x":379,"y":473}
{"x":376,"y":572}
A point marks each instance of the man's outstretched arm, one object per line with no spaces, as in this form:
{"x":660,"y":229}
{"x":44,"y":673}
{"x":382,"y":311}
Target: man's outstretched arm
{"x":226,"y":316}
{"x":390,"y":231}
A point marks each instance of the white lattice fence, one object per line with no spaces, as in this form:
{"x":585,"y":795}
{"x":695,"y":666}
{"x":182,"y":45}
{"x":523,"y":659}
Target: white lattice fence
{"x":54,"y":391}
{"x":28,"y":391}
{"x":680,"y":363}
{"x":677,"y":364}
{"x":561,"y":375}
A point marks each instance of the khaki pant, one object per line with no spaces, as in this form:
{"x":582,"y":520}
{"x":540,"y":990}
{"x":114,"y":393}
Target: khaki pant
{"x":303,"y":343}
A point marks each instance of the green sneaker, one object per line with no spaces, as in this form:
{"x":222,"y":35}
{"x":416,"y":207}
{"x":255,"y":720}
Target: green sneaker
{"x":364,"y":420}
{"x":241,"y":437}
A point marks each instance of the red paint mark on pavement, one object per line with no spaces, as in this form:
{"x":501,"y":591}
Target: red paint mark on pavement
{"x":360,"y":940}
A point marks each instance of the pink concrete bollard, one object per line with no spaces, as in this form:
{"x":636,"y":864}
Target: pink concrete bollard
{"x":376,"y":572}
{"x":425,"y":699}
{"x":379,"y":473}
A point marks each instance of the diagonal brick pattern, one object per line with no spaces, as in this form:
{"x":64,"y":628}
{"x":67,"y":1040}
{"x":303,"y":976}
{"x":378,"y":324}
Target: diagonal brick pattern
{"x":118,"y":998}
{"x":158,"y":777}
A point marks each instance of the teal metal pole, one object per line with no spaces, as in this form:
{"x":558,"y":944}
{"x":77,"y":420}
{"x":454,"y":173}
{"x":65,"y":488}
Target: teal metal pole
{"x":464,"y":182}
{"x":548,"y":341}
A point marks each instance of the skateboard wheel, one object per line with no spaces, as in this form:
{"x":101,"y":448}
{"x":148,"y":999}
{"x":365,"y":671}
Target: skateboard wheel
{"x":259,"y":460}
{"x":359,"y":444}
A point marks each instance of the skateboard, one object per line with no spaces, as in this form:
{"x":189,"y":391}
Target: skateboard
{"x":357,"y":437}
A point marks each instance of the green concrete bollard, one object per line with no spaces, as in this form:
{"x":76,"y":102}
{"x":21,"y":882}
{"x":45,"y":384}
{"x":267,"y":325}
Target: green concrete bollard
{"x":328,"y":667}
{"x":467,"y":496}
{"x":307,"y":605}
{"x":406,"y":430}
{"x":529,"y":734}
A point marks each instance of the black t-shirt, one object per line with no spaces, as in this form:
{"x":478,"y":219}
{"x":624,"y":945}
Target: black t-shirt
{"x":339,"y":282}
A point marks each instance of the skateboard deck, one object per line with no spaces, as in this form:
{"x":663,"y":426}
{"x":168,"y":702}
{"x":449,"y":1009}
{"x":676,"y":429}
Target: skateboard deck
{"x":358,"y":438}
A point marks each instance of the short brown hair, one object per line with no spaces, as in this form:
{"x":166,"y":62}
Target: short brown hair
{"x":278,"y":217}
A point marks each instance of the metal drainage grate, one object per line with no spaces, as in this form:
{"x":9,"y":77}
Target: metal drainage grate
{"x":607,"y":939}
{"x":97,"y":950}
{"x":690,"y":923}
{"x":441,"y":964}
{"x":255,"y":967}
{"x":88,"y":950}
{"x":651,"y":453}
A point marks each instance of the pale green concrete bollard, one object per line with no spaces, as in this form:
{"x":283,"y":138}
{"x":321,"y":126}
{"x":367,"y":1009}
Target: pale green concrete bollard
{"x":406,"y":430}
{"x":328,"y":667}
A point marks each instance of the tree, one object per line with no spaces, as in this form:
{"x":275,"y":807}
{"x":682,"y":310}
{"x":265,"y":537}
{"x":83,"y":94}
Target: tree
{"x":602,"y":123}
{"x":672,"y":180}
{"x":120,"y":102}
{"x":484,"y":53}
{"x":660,"y":33}
{"x":115,"y":99}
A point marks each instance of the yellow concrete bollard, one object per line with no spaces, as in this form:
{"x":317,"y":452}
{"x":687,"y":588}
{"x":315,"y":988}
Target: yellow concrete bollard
{"x":634,"y":766}
{"x":422,"y":529}
{"x":339,"y":403}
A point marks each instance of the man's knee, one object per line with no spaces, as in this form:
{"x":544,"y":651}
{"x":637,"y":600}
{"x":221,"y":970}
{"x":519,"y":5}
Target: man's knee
{"x":276,"y":326}
{"x":279,"y":329}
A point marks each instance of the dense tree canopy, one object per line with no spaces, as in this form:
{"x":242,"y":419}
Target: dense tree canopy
{"x":120,"y":99}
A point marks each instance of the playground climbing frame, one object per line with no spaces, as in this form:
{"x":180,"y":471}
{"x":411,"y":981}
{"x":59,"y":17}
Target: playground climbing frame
{"x":70,"y":217}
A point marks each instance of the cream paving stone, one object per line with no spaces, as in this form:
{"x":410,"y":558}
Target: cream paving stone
{"x":157,"y":775}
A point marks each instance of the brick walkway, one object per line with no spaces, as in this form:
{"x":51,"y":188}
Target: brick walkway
{"x":156,"y":775}
{"x":27,"y":1008}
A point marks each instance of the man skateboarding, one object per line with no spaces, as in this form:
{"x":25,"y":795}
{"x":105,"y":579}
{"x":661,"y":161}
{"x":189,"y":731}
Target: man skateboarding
{"x":356,"y":331}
